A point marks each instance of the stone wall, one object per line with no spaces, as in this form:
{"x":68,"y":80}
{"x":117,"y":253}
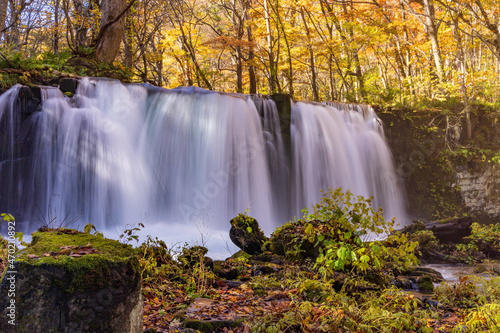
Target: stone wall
{"x":480,"y":189}
{"x":445,"y":174}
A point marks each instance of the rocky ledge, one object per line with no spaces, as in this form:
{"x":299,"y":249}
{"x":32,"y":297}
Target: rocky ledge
{"x":69,"y":281}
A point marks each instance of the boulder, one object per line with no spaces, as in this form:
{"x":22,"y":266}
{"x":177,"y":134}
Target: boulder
{"x":421,"y":278}
{"x":68,"y":281}
{"x":417,"y":272}
{"x":28,"y":101}
{"x":451,"y":230}
{"x":68,"y":85}
{"x":447,"y":231}
{"x":491,"y":268}
{"x":289,"y":241}
{"x":424,"y":283}
{"x":245,"y":233}
{"x":195,"y":255}
{"x":196,"y":318}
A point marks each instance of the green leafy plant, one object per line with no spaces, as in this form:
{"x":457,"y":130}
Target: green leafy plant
{"x":484,"y":235}
{"x":130,"y":232}
{"x":244,"y":220}
{"x":347,"y":222}
{"x":88,"y":229}
{"x":461,"y":294}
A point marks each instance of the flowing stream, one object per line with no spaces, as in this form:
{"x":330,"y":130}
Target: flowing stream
{"x":185,"y":158}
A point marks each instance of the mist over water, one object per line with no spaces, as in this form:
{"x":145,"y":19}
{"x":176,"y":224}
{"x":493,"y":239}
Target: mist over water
{"x":118,"y":154}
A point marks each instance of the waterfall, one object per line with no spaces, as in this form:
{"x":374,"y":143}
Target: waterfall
{"x":116,"y":154}
{"x":341,"y":145}
{"x":9,"y":158}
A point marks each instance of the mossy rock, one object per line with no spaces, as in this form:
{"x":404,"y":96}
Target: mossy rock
{"x":492,"y":268}
{"x":59,"y":289}
{"x":241,"y":254}
{"x":424,"y":283}
{"x":289,"y":241}
{"x":195,"y":255}
{"x":246,"y":234}
{"x":414,"y":227}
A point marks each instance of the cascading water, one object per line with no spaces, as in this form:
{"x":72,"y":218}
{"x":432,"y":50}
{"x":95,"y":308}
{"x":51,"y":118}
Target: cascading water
{"x":117,"y":154}
{"x":9,"y":131}
{"x":347,"y":149}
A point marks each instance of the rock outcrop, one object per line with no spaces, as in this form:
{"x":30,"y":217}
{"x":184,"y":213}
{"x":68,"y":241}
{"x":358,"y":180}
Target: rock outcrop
{"x":246,"y":234}
{"x":68,"y":281}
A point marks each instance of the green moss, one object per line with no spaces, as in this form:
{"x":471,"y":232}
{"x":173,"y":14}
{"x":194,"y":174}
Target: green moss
{"x":241,"y":254}
{"x":211,"y":325}
{"x":89,"y":272}
{"x":424,"y":283}
{"x":53,"y":240}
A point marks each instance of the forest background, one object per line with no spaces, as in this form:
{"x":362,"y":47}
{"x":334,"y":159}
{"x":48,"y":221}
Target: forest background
{"x":386,"y":52}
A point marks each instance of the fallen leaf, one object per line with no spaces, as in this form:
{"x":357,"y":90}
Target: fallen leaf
{"x":65,"y":251}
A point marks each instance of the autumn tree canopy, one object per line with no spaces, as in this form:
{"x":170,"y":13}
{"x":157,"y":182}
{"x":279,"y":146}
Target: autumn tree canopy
{"x":371,"y":51}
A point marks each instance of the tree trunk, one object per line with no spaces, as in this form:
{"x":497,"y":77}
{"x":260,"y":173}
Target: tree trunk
{"x":311,"y":59}
{"x":463,"y":80}
{"x":55,"y":43}
{"x":128,"y":42}
{"x":273,"y":75}
{"x":432,"y":32}
{"x":111,"y":31}
{"x":289,"y":57}
{"x":239,"y":70}
{"x":3,"y":16}
{"x":14,"y":37}
{"x":251,"y":68}
{"x":81,"y":29}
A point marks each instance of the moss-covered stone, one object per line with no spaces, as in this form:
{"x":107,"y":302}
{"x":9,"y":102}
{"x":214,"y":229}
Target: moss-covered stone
{"x":58,"y":291}
{"x":492,"y":268}
{"x":241,"y":254}
{"x":288,"y":241}
{"x":89,"y":272}
{"x":424,"y":283}
{"x":246,"y":234}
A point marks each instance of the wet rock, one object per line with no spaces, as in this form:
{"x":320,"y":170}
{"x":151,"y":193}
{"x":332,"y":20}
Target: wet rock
{"x":68,"y":85}
{"x":416,"y":226}
{"x":189,"y":318}
{"x":195,"y":255}
{"x":418,"y":278}
{"x":417,"y":272}
{"x":451,"y":230}
{"x":405,"y":282}
{"x":29,"y":101}
{"x":225,"y":271}
{"x":429,"y":303}
{"x":424,"y":283}
{"x":245,"y":233}
{"x":448,"y":231}
{"x":269,"y":258}
{"x":488,"y":268}
{"x":263,"y":270}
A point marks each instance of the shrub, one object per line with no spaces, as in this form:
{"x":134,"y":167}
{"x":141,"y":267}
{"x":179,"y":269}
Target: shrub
{"x":340,"y":235}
